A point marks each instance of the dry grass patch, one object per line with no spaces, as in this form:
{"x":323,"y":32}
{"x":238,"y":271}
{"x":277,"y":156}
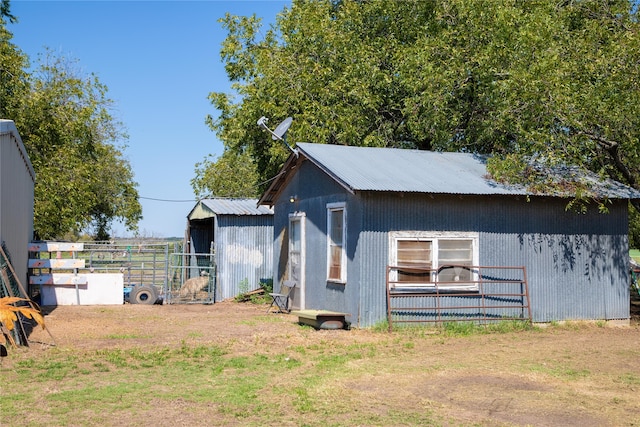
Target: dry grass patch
{"x":230,"y":364}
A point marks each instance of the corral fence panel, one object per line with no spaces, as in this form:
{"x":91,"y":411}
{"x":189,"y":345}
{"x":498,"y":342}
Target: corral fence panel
{"x":178,"y":277}
{"x":192,"y":279}
{"x":141,"y":263}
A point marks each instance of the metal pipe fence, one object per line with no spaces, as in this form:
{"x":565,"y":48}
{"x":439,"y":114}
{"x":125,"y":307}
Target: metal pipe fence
{"x":192,"y":279}
{"x":456,"y":293}
{"x":178,"y":277}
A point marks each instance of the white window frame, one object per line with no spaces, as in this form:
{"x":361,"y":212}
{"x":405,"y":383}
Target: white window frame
{"x":435,"y":237}
{"x":331,"y":208}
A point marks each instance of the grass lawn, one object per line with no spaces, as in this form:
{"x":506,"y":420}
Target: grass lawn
{"x":231,"y":364}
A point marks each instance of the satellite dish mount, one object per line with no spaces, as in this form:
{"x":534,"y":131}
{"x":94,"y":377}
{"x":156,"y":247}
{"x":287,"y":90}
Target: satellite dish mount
{"x":280,"y":132}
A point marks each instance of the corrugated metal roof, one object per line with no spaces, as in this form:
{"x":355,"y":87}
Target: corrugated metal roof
{"x":402,"y":170}
{"x":206,"y":208}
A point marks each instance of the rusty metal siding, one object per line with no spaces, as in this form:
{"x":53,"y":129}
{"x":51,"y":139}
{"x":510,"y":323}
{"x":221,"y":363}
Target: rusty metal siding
{"x":243,"y":253}
{"x":16,"y":198}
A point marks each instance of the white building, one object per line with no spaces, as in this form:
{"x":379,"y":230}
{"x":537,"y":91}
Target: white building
{"x":17,"y":180}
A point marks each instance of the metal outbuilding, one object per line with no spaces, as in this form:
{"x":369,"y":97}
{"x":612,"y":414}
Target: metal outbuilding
{"x":343,"y":215}
{"x":239,"y":234}
{"x":17,"y":180}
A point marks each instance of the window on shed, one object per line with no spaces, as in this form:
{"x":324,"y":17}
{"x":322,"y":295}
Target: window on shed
{"x":456,"y":254}
{"x":336,"y":255}
{"x":414,"y":256}
{"x":444,"y":259}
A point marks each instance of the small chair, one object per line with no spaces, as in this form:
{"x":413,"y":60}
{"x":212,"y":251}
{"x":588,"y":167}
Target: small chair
{"x":281,"y":299}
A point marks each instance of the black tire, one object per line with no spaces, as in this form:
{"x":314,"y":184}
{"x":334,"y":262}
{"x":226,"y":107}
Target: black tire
{"x":143,"y":295}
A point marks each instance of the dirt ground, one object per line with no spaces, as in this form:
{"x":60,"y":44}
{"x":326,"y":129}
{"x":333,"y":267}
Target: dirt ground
{"x":586,"y":375}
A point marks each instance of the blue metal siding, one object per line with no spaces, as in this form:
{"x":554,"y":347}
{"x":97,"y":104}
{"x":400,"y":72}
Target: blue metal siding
{"x":312,"y":200}
{"x":373,"y":249}
{"x":576,"y":263}
{"x":201,"y":234}
{"x":243,"y":253}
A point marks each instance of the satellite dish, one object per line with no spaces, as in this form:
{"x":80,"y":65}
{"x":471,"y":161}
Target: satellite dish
{"x":281,"y":129}
{"x":279,"y":133}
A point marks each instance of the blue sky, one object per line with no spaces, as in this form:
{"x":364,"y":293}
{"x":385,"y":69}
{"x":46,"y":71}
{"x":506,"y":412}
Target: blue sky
{"x":160,"y":60}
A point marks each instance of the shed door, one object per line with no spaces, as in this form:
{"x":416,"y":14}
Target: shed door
{"x":297,"y":259}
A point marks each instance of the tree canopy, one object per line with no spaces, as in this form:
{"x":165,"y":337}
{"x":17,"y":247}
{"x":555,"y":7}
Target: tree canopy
{"x":553,"y":80}
{"x":230,"y":175}
{"x":83,"y":181}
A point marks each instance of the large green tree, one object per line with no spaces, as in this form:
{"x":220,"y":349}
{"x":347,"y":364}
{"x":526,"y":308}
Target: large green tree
{"x":518,"y":79}
{"x":331,"y":66}
{"x":555,"y":80}
{"x":13,"y":63}
{"x":229,"y":175}
{"x":83,"y":181}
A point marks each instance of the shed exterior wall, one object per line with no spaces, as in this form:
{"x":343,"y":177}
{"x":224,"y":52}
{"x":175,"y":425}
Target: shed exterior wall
{"x":576,"y":263}
{"x":243,"y":253}
{"x":16,"y":198}
{"x":312,"y":200}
